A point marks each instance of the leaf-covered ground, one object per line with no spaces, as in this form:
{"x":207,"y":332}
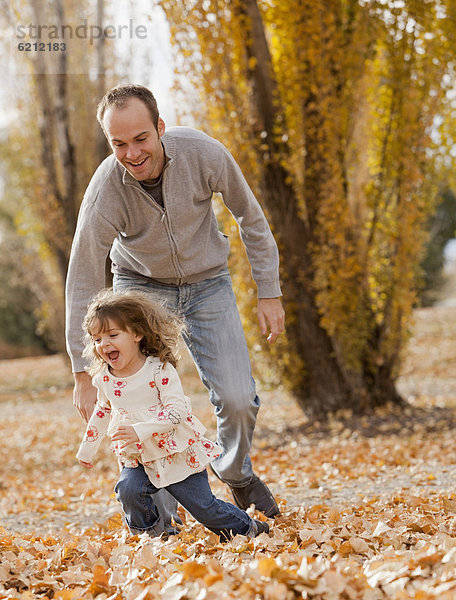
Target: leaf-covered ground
{"x":368,"y":504}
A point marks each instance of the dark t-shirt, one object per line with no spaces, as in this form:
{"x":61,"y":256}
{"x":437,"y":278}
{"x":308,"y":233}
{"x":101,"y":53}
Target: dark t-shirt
{"x":154,"y":190}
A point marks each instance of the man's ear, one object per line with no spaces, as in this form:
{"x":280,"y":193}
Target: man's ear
{"x":160,"y":126}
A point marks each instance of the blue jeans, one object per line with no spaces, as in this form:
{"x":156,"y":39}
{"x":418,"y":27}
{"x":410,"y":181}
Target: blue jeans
{"x":215,"y":339}
{"x":135,"y":492}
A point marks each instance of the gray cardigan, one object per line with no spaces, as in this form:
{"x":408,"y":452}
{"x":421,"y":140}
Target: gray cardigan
{"x":178,"y":244}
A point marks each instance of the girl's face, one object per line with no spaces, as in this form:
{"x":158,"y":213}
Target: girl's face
{"x":119,"y":348}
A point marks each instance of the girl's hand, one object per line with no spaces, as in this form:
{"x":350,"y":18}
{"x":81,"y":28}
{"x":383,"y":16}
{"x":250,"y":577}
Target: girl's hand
{"x":86,"y":464}
{"x":127,"y":434}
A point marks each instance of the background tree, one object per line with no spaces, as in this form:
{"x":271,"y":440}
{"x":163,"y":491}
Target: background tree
{"x":52,"y":142}
{"x":49,"y":154}
{"x":442,"y":228}
{"x":19,"y":311}
{"x":329,"y":107}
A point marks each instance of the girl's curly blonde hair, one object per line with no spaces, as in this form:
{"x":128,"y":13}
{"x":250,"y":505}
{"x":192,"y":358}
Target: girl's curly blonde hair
{"x":134,"y":311}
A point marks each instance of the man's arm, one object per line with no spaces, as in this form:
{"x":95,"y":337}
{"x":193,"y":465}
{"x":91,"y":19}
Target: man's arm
{"x":271,"y":317}
{"x":86,"y":276}
{"x":82,"y":284}
{"x":84,"y":394}
{"x":259,"y":243}
{"x":100,"y":219}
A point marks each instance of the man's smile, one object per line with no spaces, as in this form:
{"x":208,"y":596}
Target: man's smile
{"x":137,"y":164}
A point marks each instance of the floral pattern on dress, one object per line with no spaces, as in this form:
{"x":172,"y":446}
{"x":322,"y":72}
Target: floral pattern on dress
{"x":91,"y":434}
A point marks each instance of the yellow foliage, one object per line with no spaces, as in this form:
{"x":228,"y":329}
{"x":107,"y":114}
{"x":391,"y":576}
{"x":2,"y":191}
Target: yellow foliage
{"x":356,"y":90}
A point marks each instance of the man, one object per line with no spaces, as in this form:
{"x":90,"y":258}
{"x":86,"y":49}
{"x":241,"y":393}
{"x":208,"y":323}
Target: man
{"x":149,"y":208}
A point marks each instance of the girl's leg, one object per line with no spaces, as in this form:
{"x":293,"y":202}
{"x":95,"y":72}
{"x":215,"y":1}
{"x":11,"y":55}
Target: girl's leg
{"x":136,"y":493}
{"x":223,"y":518}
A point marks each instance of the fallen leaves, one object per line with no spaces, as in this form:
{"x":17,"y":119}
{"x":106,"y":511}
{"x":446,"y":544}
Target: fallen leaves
{"x":368,"y":512}
{"x":405,"y":548}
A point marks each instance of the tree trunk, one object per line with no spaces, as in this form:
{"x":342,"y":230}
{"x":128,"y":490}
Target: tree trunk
{"x":322,"y":384}
{"x":101,"y":141}
{"x":57,"y":150}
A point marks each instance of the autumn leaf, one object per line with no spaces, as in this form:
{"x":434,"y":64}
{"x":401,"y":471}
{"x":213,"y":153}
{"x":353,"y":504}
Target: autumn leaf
{"x":100,"y":582}
{"x":267,"y":567}
{"x":194,"y":570}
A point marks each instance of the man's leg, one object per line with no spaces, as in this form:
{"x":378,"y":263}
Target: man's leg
{"x":216,"y":341}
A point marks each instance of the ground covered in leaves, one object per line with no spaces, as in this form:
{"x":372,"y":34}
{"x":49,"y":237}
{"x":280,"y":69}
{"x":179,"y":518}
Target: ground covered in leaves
{"x":368,"y":509}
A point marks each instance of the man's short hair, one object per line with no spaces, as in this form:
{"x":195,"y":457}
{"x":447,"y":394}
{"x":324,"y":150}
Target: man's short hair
{"x":118,"y":96}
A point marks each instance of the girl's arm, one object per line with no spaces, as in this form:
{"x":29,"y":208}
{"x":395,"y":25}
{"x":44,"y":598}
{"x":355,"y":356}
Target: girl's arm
{"x":174,"y":405}
{"x":95,"y":431}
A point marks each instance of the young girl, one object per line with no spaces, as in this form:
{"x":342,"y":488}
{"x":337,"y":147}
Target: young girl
{"x":142,"y":407}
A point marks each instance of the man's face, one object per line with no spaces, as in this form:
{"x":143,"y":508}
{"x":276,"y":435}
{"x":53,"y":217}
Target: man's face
{"x":134,"y":139}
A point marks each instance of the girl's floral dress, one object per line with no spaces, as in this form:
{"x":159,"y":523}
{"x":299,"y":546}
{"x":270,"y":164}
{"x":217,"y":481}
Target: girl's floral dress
{"x":172,"y":445}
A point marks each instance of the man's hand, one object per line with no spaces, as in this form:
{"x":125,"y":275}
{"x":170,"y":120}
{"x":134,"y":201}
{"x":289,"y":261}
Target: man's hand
{"x":271,"y":313}
{"x":84,"y":394}
{"x":87,"y":465}
{"x":127,"y":434}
